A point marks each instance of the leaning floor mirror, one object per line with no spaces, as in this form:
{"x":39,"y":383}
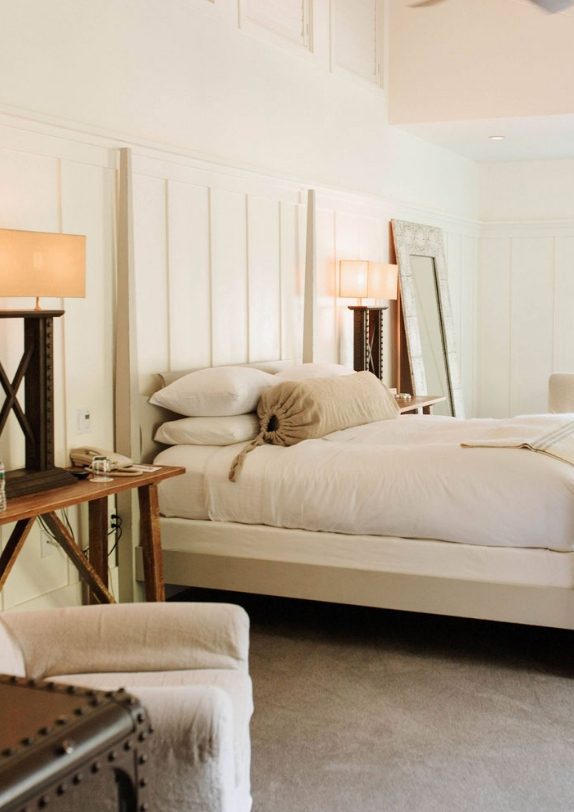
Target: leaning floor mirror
{"x":428,"y":322}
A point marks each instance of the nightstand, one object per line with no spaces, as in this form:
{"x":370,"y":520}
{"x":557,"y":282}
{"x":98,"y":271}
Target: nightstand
{"x":420,"y":404}
{"x":23,"y":510}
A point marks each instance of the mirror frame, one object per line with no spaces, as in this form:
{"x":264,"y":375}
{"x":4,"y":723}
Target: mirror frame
{"x":415,"y":239}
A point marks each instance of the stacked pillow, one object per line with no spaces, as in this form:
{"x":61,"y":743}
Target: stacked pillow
{"x":219,"y":403}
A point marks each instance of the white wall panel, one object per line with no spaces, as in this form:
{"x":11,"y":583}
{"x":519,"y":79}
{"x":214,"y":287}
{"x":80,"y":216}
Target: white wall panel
{"x":292,"y":233}
{"x":189,"y":293}
{"x":531,"y":315}
{"x":327,"y":311}
{"x":264,"y":251}
{"x":563,"y":360}
{"x":357,"y":39}
{"x":525,"y":329}
{"x":285,"y":18}
{"x":150,"y":259}
{"x":494,"y":292}
{"x":88,"y":194}
{"x":229,"y":277}
{"x":35,"y":574}
{"x":467,"y":305}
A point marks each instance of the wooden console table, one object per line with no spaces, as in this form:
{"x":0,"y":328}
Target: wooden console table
{"x":24,"y":510}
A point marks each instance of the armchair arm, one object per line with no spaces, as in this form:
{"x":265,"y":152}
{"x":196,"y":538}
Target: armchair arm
{"x":131,"y":637}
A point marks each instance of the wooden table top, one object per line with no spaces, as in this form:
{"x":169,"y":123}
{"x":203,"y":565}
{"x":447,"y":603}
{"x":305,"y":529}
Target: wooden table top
{"x":83,"y":490}
{"x":418,"y":401}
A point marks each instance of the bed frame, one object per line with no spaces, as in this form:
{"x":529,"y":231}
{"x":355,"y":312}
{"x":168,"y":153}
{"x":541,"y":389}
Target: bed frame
{"x":283,"y":576}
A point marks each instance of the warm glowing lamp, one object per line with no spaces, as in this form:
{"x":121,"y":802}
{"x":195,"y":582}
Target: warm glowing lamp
{"x":37,"y":264}
{"x":361,"y":279}
{"x":383,"y":280}
{"x":353,"y":278}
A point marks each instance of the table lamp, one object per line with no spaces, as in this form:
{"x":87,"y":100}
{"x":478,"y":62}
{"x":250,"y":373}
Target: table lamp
{"x":34,"y":263}
{"x":362,"y":279}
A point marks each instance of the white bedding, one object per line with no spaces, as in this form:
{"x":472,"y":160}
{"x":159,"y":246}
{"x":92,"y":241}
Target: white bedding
{"x":407,"y":477}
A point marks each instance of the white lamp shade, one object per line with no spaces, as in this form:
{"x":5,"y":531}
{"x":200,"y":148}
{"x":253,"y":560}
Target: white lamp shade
{"x":382,"y":280}
{"x":353,"y":278}
{"x":37,"y":263}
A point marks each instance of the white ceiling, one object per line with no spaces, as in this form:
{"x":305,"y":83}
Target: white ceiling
{"x":527,"y":139}
{"x":462,"y":70}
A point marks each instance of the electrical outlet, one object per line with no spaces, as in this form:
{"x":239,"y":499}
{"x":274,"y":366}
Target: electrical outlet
{"x":83,"y":420}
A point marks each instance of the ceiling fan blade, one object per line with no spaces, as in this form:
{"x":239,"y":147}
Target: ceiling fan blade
{"x":426,"y":3}
{"x":553,"y":5}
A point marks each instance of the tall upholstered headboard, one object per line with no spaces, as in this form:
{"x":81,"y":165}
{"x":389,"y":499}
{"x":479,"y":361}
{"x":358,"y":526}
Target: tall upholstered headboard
{"x":222,"y":266}
{"x":210,"y":272}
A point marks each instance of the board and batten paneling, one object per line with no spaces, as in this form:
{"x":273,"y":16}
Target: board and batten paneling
{"x":50,"y":183}
{"x":285,"y":18}
{"x":229,"y":318}
{"x":189,"y":293}
{"x":150,"y":260}
{"x":563,"y":360}
{"x":462,"y":260}
{"x":218,"y":262}
{"x":264,"y":278}
{"x":356,"y":27}
{"x":525,"y":300}
{"x":531,"y":323}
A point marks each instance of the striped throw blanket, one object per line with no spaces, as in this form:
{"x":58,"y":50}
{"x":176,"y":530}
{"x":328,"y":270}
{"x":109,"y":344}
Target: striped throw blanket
{"x":558,"y":443}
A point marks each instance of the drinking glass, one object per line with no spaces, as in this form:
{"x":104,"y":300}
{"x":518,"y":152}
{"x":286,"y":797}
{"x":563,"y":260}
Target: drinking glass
{"x":101,"y":467}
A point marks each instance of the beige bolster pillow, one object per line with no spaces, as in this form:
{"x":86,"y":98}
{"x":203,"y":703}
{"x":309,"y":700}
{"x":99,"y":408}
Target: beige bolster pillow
{"x":307,"y":409}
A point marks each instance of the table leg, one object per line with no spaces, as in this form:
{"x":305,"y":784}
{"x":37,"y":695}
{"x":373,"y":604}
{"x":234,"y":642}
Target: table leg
{"x":87,"y":572}
{"x":98,"y":533}
{"x":150,"y":540}
{"x":10,"y":553}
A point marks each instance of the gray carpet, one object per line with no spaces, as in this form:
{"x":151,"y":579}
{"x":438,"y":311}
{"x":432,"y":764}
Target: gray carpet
{"x":368,"y":710}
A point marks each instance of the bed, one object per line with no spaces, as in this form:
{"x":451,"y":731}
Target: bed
{"x":499,"y":546}
{"x":530,"y":585}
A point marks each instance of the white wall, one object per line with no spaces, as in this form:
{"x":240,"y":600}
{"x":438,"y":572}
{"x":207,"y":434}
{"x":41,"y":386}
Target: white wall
{"x":184,"y":74}
{"x":526,"y":284}
{"x":230,"y":126}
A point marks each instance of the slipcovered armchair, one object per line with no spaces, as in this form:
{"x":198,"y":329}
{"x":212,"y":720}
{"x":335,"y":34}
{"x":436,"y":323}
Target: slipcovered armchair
{"x":187,"y":663}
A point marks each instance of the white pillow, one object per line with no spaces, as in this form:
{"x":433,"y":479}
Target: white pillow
{"x":209,"y":430}
{"x":215,"y":392}
{"x":299,"y":372}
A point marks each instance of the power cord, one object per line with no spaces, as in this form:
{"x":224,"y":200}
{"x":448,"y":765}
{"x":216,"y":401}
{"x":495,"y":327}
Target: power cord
{"x":116,"y":527}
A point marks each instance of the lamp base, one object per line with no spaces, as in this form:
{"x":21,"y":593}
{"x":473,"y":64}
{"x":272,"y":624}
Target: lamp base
{"x":23,"y":481}
{"x":368,"y":339}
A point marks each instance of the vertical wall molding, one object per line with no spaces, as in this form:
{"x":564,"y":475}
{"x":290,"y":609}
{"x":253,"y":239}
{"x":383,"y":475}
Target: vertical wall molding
{"x":310,"y":298}
{"x":127,"y":439}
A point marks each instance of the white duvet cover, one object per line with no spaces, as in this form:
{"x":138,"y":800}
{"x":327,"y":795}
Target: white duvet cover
{"x":407,"y":477}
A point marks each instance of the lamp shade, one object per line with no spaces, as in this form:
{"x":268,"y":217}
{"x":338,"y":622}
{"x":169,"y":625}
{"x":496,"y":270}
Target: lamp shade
{"x":353,"y":278}
{"x":382,"y":280}
{"x":37,"y":263}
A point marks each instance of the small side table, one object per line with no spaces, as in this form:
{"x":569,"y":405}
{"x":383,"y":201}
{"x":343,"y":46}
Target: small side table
{"x":419,"y":403}
{"x":24,"y":510}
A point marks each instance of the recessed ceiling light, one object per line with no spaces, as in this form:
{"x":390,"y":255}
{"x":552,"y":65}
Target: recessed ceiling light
{"x":497,"y":137}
